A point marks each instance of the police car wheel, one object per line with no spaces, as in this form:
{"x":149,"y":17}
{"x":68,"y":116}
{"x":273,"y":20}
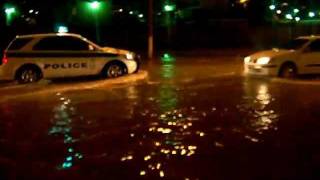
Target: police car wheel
{"x":114,"y":70}
{"x":28,"y":75}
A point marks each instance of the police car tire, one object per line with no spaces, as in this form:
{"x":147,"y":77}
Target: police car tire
{"x":113,"y":70}
{"x":31,"y":71}
{"x":288,"y":70}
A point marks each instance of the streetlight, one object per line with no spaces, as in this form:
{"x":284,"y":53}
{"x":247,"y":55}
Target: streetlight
{"x":10,"y":11}
{"x":150,"y":30}
{"x":169,"y":8}
{"x":312,"y":14}
{"x":95,"y":6}
{"x":272,"y":7}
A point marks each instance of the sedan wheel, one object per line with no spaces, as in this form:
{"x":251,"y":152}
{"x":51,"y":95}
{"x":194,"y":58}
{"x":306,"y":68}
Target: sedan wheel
{"x":288,"y":71}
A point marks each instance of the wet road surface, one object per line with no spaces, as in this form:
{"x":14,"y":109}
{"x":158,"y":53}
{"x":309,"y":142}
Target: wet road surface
{"x":198,"y":119}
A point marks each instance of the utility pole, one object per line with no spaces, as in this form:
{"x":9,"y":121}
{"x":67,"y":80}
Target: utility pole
{"x":150,"y":31}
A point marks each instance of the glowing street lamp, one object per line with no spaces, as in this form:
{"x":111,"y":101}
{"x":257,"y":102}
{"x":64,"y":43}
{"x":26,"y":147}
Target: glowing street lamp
{"x":279,"y":11}
{"x":94,"y":5}
{"x":289,"y":16}
{"x":169,"y":8}
{"x":10,"y":11}
{"x":272,"y":7}
{"x":312,"y":14}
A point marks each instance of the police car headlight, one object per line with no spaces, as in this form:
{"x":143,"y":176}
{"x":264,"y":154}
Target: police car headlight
{"x":263,"y":60}
{"x":130,"y":56}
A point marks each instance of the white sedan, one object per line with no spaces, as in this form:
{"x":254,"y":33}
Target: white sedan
{"x":299,"y":56}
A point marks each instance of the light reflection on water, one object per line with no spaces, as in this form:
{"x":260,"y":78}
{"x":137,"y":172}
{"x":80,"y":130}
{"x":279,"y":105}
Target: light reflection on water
{"x":62,"y":127}
{"x":167,"y":130}
{"x":259,"y":115}
{"x":175,"y":131}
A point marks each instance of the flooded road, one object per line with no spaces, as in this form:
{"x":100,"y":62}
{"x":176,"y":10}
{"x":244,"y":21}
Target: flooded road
{"x":190,"y":120}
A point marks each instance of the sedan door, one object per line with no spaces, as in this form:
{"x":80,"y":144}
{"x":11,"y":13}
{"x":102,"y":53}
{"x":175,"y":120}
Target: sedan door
{"x":310,"y":58}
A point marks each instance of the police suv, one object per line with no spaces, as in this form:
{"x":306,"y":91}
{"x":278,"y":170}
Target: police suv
{"x":299,"y":56}
{"x":30,"y":58}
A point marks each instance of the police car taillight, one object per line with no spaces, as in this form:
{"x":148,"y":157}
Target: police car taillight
{"x":4,"y":58}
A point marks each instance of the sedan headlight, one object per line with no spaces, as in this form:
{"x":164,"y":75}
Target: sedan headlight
{"x":130,"y":56}
{"x":263,"y":60}
{"x":247,"y":60}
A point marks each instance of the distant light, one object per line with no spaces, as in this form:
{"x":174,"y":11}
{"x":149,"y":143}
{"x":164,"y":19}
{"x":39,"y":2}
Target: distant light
{"x":69,"y":158}
{"x":95,"y":5}
{"x":272,"y":7}
{"x":31,"y":11}
{"x":131,"y":12}
{"x":289,"y":16}
{"x":169,"y":8}
{"x":63,"y":29}
{"x":66,"y":165}
{"x":140,"y":15}
{"x":243,"y":1}
{"x":37,"y":12}
{"x":70,"y":150}
{"x":279,"y":11}
{"x":167,"y":58}
{"x":297,"y":19}
{"x":9,"y":11}
{"x":312,"y":14}
{"x":296,"y":10}
{"x":121,"y":10}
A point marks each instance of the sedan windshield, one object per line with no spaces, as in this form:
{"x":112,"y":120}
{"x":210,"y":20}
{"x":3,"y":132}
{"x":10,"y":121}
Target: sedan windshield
{"x":294,"y":44}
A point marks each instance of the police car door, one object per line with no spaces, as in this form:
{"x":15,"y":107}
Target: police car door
{"x":63,"y":56}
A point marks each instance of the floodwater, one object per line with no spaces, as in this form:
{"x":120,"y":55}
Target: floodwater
{"x":189,"y":120}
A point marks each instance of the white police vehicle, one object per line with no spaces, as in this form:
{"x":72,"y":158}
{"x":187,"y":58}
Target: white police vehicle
{"x":30,"y":58}
{"x":299,"y":56}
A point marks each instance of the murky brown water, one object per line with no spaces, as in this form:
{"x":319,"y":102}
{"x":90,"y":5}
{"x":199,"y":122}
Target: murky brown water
{"x":181,"y":124}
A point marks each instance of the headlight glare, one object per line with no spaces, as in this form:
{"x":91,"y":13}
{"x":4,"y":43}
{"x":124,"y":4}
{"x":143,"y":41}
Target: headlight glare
{"x":247,"y":60}
{"x":130,"y":56}
{"x":263,"y":60}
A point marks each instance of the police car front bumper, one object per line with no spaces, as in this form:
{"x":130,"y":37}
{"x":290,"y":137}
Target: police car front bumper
{"x":260,"y":70}
{"x":132,"y":66}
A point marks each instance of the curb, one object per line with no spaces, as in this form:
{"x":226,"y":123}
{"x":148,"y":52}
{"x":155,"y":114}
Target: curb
{"x":97,"y":84}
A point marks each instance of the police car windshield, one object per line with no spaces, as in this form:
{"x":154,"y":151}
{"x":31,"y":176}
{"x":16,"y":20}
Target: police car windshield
{"x":96,"y":46}
{"x":294,"y":44}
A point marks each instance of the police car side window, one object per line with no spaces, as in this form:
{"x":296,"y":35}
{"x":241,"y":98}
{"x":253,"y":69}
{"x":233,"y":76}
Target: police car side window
{"x":315,"y":46}
{"x":19,"y":43}
{"x":61,"y":43}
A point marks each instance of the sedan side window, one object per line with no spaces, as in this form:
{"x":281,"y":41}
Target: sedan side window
{"x":314,"y":46}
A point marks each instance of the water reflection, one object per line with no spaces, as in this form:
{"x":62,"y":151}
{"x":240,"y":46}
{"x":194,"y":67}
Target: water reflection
{"x":62,"y":128}
{"x":256,"y":107}
{"x":169,"y":129}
